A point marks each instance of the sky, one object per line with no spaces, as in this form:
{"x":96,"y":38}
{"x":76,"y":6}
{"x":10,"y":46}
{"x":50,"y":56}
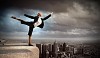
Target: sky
{"x":70,"y":19}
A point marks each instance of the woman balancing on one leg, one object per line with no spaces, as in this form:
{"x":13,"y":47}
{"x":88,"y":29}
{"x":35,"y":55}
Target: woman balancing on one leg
{"x":38,"y":22}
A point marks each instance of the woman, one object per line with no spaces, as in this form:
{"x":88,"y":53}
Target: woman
{"x":38,"y":22}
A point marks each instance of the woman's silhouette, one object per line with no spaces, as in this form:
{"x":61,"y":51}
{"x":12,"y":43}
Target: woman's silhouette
{"x":38,"y":22}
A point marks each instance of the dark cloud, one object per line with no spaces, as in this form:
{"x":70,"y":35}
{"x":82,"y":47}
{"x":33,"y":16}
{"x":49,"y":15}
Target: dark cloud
{"x":49,"y":5}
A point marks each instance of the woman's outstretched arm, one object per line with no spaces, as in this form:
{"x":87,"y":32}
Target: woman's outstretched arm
{"x":47,"y":16}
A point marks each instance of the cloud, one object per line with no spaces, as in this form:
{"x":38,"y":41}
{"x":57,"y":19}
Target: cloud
{"x":50,"y":5}
{"x":70,"y":17}
{"x":74,"y":33}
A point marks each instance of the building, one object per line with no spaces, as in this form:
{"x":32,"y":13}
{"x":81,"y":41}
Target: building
{"x":55,"y":49}
{"x":40,"y":49}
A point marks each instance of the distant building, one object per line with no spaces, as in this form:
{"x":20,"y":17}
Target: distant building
{"x":64,"y":47}
{"x":55,"y":49}
{"x":43,"y":51}
{"x":50,"y":47}
{"x":40,"y":49}
{"x":67,"y":48}
{"x":61,"y":48}
{"x":50,"y":50}
{"x":47,"y":54}
{"x":78,"y":50}
{"x":75,"y":51}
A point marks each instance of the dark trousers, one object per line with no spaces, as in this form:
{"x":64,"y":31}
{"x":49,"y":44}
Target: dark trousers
{"x":31,"y":26}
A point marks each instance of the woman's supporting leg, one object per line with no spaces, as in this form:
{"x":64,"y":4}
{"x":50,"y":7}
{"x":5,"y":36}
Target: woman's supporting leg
{"x":30,"y":36}
{"x":30,"y":28}
{"x":30,"y":41}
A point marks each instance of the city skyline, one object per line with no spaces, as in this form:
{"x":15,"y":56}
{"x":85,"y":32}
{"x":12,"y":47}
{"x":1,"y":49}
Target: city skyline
{"x":65,"y":50}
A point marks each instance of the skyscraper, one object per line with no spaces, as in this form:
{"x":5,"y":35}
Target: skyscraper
{"x":40,"y":49}
{"x":43,"y":51}
{"x":64,"y":47}
{"x":55,"y":47}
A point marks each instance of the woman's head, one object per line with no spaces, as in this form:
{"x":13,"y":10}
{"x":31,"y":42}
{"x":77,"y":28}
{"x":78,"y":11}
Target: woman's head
{"x":39,"y":14}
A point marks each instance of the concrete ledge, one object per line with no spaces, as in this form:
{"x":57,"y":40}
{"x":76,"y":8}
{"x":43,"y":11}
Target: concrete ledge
{"x":19,"y":52}
{"x":15,"y":53}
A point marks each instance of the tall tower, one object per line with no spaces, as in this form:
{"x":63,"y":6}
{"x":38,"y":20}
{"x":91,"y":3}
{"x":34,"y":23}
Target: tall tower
{"x":50,"y":50}
{"x":64,"y":47}
{"x":40,"y":49}
{"x":55,"y":49}
{"x":43,"y":51}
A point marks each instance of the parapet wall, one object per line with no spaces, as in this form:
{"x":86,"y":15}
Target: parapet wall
{"x":19,"y":52}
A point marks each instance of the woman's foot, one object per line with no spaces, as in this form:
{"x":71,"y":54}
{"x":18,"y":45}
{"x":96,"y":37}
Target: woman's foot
{"x":13,"y":17}
{"x":16,"y":18}
{"x":30,"y":44}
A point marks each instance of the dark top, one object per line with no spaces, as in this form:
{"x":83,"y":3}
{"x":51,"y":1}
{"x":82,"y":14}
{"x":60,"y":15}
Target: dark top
{"x":36,"y":19}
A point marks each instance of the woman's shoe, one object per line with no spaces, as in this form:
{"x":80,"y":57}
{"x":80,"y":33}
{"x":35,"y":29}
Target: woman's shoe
{"x":30,"y":44}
